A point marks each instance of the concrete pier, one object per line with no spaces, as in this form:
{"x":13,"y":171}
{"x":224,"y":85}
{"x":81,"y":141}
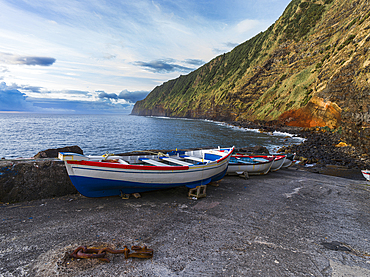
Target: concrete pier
{"x":286,"y":223}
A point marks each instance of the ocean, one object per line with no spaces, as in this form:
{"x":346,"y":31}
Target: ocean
{"x":23,"y":135}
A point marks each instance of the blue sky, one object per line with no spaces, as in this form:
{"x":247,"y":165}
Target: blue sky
{"x":101,"y":56}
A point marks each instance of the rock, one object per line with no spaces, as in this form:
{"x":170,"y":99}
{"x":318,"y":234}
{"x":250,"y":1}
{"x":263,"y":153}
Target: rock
{"x":26,"y":180}
{"x":320,"y":148}
{"x":253,"y":149}
{"x":53,"y":153}
{"x":31,"y":180}
{"x":336,"y":245}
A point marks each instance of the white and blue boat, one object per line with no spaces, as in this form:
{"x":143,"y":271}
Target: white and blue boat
{"x":250,"y":164}
{"x":109,"y":175}
{"x":366,"y":174}
{"x":289,"y":160}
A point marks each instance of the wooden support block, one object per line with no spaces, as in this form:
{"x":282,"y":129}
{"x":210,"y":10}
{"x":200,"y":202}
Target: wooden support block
{"x":244,"y":175}
{"x":136,"y":195}
{"x":125,"y":196}
{"x":198,"y":192}
{"x":215,"y":184}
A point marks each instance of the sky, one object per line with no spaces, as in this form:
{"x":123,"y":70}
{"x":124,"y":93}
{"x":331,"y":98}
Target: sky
{"x":101,"y":56}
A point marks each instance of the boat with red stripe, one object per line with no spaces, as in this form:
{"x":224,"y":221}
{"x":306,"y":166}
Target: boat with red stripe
{"x":109,"y":175}
{"x":366,"y":174}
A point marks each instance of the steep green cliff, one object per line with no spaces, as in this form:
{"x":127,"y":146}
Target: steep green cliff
{"x":311,"y":68}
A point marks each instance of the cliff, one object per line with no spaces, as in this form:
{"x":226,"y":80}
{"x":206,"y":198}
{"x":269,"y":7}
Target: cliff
{"x":311,"y":68}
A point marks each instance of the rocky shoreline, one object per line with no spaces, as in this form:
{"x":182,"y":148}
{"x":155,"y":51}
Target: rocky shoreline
{"x":324,"y":151}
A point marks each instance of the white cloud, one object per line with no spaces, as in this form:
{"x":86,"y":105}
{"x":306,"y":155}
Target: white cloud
{"x":104,"y":46}
{"x":248,"y":25}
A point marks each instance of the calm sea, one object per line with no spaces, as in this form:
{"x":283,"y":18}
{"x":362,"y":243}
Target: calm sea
{"x":24,"y":135}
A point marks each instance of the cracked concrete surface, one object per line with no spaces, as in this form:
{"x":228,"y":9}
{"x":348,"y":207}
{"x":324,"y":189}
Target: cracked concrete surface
{"x":271,"y":225}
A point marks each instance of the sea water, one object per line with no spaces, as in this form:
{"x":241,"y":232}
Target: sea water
{"x":24,"y":135}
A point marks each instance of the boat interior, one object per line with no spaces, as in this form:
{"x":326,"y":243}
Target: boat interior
{"x":172,"y":158}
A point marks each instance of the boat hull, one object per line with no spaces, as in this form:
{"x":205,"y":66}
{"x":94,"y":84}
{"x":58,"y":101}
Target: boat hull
{"x":366,"y":174}
{"x":100,"y":179}
{"x":255,"y":168}
{"x":252,"y":169}
{"x":278,"y":162}
{"x":288,"y":161}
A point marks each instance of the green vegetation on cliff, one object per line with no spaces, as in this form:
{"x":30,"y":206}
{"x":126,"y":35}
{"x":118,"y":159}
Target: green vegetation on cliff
{"x":234,"y":79}
{"x":310,"y":68}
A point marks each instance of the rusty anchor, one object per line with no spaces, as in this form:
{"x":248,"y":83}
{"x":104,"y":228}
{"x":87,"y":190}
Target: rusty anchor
{"x":83,"y":252}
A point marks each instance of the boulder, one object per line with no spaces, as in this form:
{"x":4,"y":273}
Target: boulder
{"x":253,"y":149}
{"x":53,"y":153}
{"x":39,"y":178}
{"x":33,"y":179}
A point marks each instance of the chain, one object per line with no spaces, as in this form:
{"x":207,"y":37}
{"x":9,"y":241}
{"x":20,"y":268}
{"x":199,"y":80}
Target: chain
{"x":83,"y":252}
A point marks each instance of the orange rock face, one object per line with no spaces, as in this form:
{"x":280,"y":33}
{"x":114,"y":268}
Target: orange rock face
{"x":317,"y":113}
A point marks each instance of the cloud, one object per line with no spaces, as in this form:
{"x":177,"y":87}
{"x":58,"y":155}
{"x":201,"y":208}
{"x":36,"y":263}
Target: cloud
{"x":109,"y":56}
{"x":231,"y":44}
{"x":195,"y":62}
{"x":218,"y":51}
{"x":42,"y":61}
{"x":32,"y":88}
{"x":247,"y":25}
{"x":28,"y":88}
{"x":76,"y":92}
{"x":79,"y":107}
{"x":13,"y":100}
{"x":129,"y":96}
{"x":98,"y":47}
{"x":133,"y":96}
{"x":226,"y":47}
{"x":163,"y":66}
{"x":103,"y":95}
{"x":26,"y":60}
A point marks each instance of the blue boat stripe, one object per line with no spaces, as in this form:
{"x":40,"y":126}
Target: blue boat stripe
{"x":92,"y":187}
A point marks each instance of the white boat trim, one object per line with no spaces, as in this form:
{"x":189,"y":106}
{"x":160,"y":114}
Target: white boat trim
{"x":366,"y":174}
{"x":99,"y":176}
{"x":195,"y":159}
{"x":277,"y":164}
{"x":152,"y":162}
{"x":243,"y":167}
{"x":176,"y":161}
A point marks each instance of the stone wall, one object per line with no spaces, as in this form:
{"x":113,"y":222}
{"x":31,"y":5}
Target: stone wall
{"x":33,"y":179}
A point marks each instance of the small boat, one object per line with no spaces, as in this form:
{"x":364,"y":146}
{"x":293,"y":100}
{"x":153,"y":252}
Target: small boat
{"x":109,"y":175}
{"x":366,"y":173}
{"x":278,"y":162}
{"x":288,"y":161}
{"x":243,"y":164}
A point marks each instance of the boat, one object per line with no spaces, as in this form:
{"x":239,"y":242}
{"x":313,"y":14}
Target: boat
{"x":243,"y":164}
{"x":110,"y":175}
{"x":366,"y":173}
{"x":278,"y":162}
{"x":288,"y":161}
